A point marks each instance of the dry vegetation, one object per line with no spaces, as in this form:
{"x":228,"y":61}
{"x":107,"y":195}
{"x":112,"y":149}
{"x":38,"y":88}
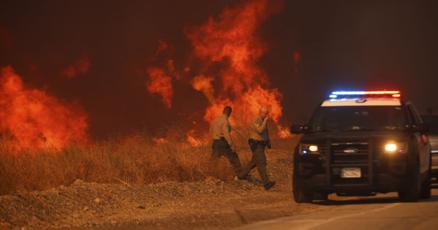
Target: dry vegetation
{"x":141,"y":186}
{"x":133,"y":160}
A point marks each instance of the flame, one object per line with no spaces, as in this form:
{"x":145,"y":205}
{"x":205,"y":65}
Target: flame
{"x":192,"y":140}
{"x":284,"y":132}
{"x":231,"y":39}
{"x":160,"y":78}
{"x":159,"y":140}
{"x":160,"y":83}
{"x":79,"y":67}
{"x":204,"y":84}
{"x":228,"y":49}
{"x":33,"y":119}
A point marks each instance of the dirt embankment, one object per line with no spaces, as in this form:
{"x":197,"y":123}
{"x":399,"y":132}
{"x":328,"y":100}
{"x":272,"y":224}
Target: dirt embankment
{"x":207,"y":204}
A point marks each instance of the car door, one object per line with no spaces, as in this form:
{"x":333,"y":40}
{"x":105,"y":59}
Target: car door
{"x":421,"y":139}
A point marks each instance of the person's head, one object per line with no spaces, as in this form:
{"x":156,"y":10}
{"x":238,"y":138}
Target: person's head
{"x":227,"y":111}
{"x":263,"y":112}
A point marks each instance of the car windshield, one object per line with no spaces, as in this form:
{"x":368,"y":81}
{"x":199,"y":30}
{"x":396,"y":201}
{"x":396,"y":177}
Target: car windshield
{"x":432,"y":122}
{"x":357,"y":118}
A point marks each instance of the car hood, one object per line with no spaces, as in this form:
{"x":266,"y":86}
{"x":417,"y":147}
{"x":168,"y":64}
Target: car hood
{"x":354,"y":136}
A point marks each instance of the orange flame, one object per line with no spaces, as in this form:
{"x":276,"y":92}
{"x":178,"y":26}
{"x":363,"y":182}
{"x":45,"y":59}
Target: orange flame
{"x":230,"y":42}
{"x":204,"y":84}
{"x":192,"y":140}
{"x":160,"y":83}
{"x":284,"y":132}
{"x":159,"y":140}
{"x":34,"y":119}
{"x":232,"y":39}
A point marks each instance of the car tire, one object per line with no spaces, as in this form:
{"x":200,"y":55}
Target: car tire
{"x":411,"y":190}
{"x":321,"y":196}
{"x":426,"y":188}
{"x":300,"y":194}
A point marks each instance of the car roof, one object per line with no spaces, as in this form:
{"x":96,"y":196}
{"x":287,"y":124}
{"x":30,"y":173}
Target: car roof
{"x":384,"y":101}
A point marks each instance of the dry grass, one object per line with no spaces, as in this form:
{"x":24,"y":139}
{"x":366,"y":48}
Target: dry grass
{"x":133,"y":160}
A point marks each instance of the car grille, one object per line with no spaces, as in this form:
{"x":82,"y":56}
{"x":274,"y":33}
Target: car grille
{"x":349,"y":155}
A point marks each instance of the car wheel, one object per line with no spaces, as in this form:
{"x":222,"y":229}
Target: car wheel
{"x":426,"y":188}
{"x":301,"y":195}
{"x":410,"y":192}
{"x":322,"y":196}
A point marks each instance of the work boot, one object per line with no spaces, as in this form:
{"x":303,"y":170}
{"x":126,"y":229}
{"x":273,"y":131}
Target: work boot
{"x":269,"y":185}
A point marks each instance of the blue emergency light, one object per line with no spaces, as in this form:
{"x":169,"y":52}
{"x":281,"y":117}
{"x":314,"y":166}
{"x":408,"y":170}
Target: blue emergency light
{"x":349,"y":94}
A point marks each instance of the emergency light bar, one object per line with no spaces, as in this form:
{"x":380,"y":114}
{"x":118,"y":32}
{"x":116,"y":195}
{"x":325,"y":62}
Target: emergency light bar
{"x":349,"y":94}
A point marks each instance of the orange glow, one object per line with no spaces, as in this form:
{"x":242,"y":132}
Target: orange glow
{"x":232,"y":40}
{"x":224,"y":66}
{"x":192,"y":140}
{"x":79,"y":67}
{"x":32,"y":119}
{"x":160,"y":83}
{"x":284,"y":132}
{"x":204,"y":84}
{"x":159,"y":141}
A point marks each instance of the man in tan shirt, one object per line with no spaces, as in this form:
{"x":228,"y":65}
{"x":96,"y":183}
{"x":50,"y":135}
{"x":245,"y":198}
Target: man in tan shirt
{"x":258,"y":141}
{"x":223,"y":145}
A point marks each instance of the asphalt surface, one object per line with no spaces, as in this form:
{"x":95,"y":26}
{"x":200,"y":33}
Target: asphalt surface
{"x":362,"y":213}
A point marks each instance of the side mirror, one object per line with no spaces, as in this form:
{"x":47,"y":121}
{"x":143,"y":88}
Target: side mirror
{"x":299,"y":129}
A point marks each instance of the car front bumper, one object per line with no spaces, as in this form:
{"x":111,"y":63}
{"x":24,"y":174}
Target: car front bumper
{"x":382,"y":183}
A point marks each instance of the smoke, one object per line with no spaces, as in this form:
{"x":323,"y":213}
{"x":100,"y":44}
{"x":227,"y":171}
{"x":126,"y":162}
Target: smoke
{"x":32,"y":119}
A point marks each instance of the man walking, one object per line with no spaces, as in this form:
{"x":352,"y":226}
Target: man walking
{"x":223,"y":145}
{"x":258,"y":141}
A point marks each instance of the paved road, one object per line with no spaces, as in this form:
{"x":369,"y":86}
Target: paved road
{"x":364,"y":213}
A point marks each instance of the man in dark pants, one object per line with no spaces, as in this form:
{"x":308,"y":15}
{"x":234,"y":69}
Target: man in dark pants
{"x":258,"y":141}
{"x":223,"y":145}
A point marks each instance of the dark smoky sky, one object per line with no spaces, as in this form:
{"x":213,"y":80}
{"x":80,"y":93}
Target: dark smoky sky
{"x":343,"y":45}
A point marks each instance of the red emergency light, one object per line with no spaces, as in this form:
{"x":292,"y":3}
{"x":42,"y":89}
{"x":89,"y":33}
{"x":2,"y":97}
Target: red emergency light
{"x":382,"y":93}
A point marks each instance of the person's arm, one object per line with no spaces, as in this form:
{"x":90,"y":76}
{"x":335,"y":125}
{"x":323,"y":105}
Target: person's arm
{"x":260,"y":126}
{"x":226,"y":132}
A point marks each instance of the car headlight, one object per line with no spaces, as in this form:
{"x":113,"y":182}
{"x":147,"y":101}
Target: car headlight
{"x":308,"y":149}
{"x":393,"y":148}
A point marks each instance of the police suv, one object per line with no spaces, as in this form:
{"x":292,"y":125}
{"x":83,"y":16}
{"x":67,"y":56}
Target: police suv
{"x":362,"y":143}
